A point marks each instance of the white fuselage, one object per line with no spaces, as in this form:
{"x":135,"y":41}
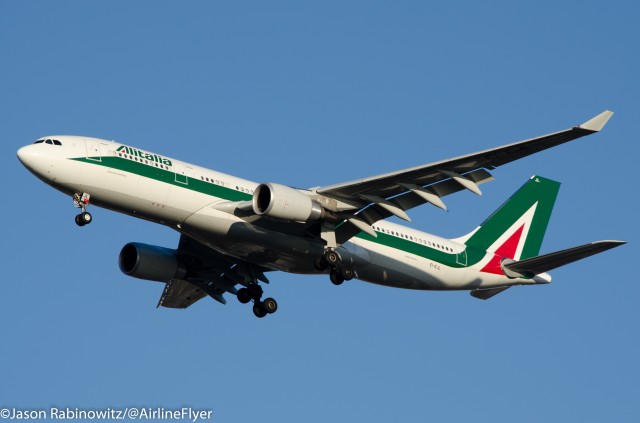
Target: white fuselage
{"x":191,"y":199}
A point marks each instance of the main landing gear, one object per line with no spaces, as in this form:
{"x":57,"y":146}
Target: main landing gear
{"x":339,"y":272}
{"x":82,"y":201}
{"x":254,"y":292}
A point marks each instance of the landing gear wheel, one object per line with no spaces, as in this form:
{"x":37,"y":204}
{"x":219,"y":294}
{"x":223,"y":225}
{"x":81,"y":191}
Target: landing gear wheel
{"x":86,"y":217}
{"x":270,"y":305}
{"x":259,"y":310}
{"x":79,"y":220}
{"x":243,"y":295}
{"x":347,"y":272}
{"x":255,"y":291}
{"x":320,"y":263}
{"x":336,"y":277}
{"x":332,"y":258}
{"x":81,"y":200}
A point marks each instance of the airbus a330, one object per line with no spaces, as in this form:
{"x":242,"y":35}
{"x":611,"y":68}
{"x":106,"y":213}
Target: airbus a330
{"x":234,"y":231}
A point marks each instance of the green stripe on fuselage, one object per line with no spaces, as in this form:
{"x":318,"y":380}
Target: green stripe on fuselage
{"x":168,"y":177}
{"x":473,"y":256}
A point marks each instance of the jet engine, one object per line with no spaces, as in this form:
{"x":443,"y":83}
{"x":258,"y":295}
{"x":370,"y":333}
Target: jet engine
{"x":285,"y":203}
{"x":149,"y":262}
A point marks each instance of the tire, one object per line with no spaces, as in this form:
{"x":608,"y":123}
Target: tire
{"x":320,"y":264}
{"x":332,"y":258}
{"x":336,"y":278}
{"x":79,"y":220}
{"x":270,"y":305}
{"x":86,"y":217}
{"x":347,"y":272}
{"x":243,"y":295}
{"x":259,"y":310}
{"x":255,"y":291}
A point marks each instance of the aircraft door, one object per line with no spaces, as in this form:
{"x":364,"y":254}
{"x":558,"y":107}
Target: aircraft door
{"x":93,"y":149}
{"x":461,"y":257}
{"x":181,"y":175}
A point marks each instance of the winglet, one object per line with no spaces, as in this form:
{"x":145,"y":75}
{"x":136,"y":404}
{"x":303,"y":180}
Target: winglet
{"x":598,"y":122}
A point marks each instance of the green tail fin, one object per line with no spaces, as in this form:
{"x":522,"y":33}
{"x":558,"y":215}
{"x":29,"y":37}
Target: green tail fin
{"x":517,"y":228}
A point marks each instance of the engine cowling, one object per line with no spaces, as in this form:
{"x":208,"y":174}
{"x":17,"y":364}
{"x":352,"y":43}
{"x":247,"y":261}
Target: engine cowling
{"x":149,"y":262}
{"x":285,"y":203}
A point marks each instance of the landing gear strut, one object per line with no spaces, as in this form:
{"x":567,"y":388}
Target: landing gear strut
{"x":340,"y":272}
{"x":254,"y":292}
{"x":82,"y":201}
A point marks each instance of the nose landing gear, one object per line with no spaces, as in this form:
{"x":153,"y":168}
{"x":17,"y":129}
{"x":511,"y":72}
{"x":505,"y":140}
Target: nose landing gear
{"x":82,"y":201}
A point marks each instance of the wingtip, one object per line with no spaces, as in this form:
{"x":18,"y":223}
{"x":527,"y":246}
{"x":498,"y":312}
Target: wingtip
{"x":597,"y":123}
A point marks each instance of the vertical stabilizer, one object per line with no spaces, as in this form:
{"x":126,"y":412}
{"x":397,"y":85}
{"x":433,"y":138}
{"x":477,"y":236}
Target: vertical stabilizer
{"x":517,"y":228}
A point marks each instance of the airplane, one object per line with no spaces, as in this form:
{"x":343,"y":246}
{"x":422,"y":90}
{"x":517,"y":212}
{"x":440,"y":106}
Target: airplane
{"x":234,"y":231}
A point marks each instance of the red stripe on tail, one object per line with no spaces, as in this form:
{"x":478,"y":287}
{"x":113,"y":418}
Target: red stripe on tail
{"x":506,"y":250}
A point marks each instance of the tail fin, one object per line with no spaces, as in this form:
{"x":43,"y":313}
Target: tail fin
{"x":517,"y":228}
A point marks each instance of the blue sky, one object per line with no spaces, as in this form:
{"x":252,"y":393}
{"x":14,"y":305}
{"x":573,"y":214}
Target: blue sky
{"x":306,"y":94}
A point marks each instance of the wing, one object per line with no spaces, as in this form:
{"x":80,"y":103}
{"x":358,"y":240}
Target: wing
{"x":394,"y":183}
{"x":209,"y":273}
{"x":365,"y":201}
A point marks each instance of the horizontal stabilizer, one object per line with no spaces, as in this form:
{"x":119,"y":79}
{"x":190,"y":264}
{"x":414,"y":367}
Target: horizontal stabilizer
{"x":536,"y":265}
{"x":485,"y":294}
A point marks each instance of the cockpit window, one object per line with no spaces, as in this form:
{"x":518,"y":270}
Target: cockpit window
{"x":50,"y":142}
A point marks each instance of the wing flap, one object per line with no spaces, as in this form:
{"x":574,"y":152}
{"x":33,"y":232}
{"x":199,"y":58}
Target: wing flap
{"x":407,"y":201}
{"x":180,"y":294}
{"x":536,"y":265}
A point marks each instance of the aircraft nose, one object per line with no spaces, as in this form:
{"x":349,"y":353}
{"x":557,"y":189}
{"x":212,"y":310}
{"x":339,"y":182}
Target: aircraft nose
{"x":25,"y":154}
{"x":34,"y":160}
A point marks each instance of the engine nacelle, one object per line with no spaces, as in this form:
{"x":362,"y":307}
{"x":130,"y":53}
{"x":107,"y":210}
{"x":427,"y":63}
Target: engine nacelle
{"x":285,"y":203}
{"x":149,"y":262}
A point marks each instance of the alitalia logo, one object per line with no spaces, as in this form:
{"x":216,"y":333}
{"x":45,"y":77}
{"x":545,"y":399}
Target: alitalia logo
{"x":143,"y":155}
